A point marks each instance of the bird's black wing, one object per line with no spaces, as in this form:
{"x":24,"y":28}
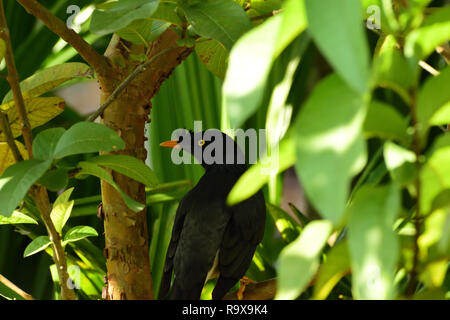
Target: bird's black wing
{"x":243,"y":233}
{"x":176,"y":231}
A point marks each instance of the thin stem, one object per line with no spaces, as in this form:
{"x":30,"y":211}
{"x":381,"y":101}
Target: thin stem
{"x":15,"y":288}
{"x":4,"y":125}
{"x":139,"y":69}
{"x":13,"y":79}
{"x":97,"y":61}
{"x":40,"y":197}
{"x":410,"y":290}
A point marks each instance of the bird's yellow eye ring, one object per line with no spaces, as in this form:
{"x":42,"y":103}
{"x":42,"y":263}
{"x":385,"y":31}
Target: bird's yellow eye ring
{"x":201,"y":142}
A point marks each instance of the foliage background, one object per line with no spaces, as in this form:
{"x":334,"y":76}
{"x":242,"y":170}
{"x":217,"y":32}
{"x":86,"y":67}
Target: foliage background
{"x":198,"y":96}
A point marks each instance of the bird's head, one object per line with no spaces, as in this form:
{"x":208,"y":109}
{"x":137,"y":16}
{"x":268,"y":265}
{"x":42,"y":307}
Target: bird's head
{"x":211,"y":148}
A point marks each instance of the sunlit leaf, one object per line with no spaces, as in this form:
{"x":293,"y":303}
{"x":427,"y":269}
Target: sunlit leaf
{"x":373,"y":244}
{"x":78,"y":233}
{"x":62,"y":209}
{"x":299,"y":260}
{"x":213,"y":55}
{"x":7,"y":157}
{"x":38,"y":244}
{"x":45,"y":80}
{"x":39,"y":111}
{"x":45,"y":142}
{"x":400,"y":162}
{"x":337,"y":30}
{"x":286,"y":225}
{"x":329,"y":145}
{"x":17,"y":217}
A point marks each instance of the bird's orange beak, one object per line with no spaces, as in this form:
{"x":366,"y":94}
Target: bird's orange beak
{"x":169,"y":144}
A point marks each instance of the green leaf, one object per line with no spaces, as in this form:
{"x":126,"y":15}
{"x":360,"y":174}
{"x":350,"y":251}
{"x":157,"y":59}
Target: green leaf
{"x":435,"y":177}
{"x":78,"y":233}
{"x":166,"y":13}
{"x":63,"y":197}
{"x":337,"y":29}
{"x":335,"y":267}
{"x":252,"y":57}
{"x":95,"y":170}
{"x":441,"y":116}
{"x":16,"y":180}
{"x":45,"y":80}
{"x":143,"y":31}
{"x":299,"y":260}
{"x":213,"y":55}
{"x":329,"y":145}
{"x":55,"y":180}
{"x":433,"y":96}
{"x":221,"y":20}
{"x":17,"y":218}
{"x":8,"y":293}
{"x":385,"y":122}
{"x":373,"y":244}
{"x":45,"y":142}
{"x":391,"y":69}
{"x":286,"y":225}
{"x":39,"y":111}
{"x":400,"y":162}
{"x":38,"y":244}
{"x":87,"y":137}
{"x":435,"y":31}
{"x":259,"y":174}
{"x":61,"y":212}
{"x":121,"y":15}
{"x":436,"y":235}
{"x":128,"y":166}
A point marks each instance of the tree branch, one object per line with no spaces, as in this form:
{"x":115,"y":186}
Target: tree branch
{"x":13,"y":79}
{"x":97,"y":61}
{"x":15,"y":288}
{"x":256,"y":291}
{"x":139,"y":69}
{"x":4,"y":125}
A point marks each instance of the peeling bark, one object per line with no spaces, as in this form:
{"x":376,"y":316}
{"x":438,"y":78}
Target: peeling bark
{"x":126,"y":234}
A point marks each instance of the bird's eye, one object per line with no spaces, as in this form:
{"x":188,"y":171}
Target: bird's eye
{"x":201,"y":142}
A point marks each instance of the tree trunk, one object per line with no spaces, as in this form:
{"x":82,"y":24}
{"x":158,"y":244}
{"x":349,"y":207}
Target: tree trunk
{"x":126,"y":234}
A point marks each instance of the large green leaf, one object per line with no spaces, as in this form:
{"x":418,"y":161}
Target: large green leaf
{"x":435,"y":31}
{"x":385,"y":122}
{"x":128,"y":166}
{"x":433,"y":95}
{"x":373,"y":244}
{"x":94,"y":170}
{"x":79,"y":232}
{"x":45,"y":80}
{"x":329,"y":143}
{"x":55,"y":179}
{"x":221,"y":20}
{"x":17,"y":217}
{"x":86,"y":137}
{"x":45,"y":143}
{"x":143,"y":31}
{"x":300,"y":259}
{"x":16,"y":180}
{"x":121,"y":15}
{"x":337,"y":29}
{"x":39,"y":111}
{"x":252,"y":57}
{"x":38,"y":244}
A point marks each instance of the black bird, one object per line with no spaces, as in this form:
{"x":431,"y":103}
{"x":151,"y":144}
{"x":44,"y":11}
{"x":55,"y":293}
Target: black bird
{"x":210,"y":239}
